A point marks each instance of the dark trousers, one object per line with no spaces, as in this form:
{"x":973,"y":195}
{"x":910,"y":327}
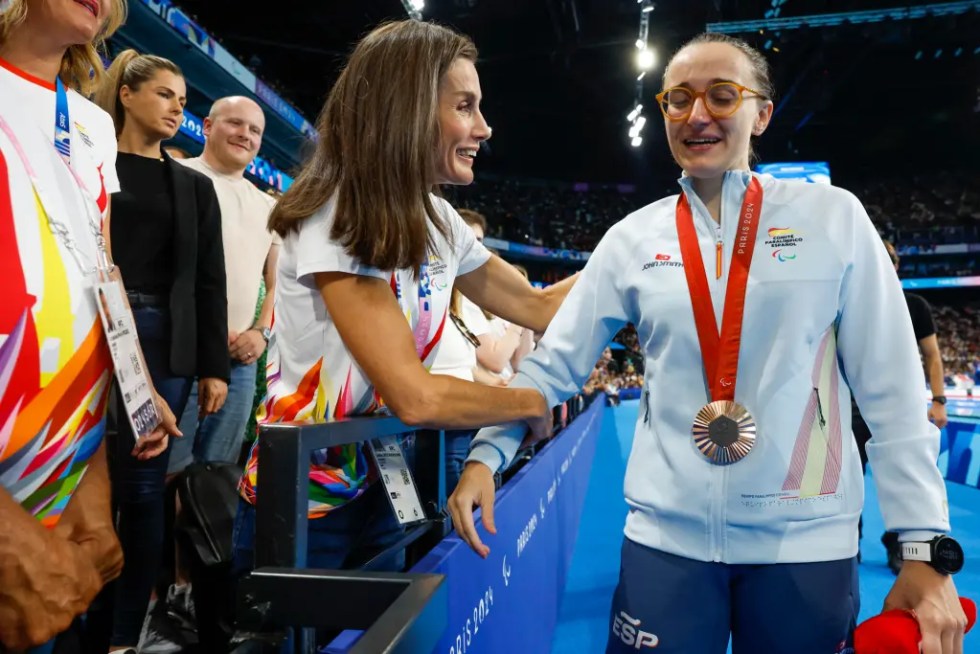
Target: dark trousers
{"x":138,"y":491}
{"x":681,"y":606}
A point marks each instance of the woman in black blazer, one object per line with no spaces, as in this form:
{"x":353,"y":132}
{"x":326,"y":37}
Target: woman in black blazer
{"x":165,"y":236}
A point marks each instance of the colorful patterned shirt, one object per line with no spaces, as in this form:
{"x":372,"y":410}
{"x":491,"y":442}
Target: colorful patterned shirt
{"x":311,"y":374}
{"x":55,"y":368}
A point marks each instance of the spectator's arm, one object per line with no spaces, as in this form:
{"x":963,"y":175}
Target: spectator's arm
{"x":87,"y":520}
{"x":45,"y":581}
{"x":482,"y":376}
{"x":417,"y":397}
{"x":269,"y":275}
{"x":500,"y":289}
{"x":525,"y":348}
{"x":933,"y":364}
{"x":494,"y":353}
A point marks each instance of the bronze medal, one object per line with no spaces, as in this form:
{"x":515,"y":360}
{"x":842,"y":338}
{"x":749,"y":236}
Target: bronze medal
{"x":724,"y":432}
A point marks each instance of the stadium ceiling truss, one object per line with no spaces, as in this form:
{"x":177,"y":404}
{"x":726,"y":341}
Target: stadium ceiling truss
{"x":847,"y":17}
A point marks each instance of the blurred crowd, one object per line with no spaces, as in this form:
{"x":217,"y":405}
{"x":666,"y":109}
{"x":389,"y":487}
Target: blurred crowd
{"x":958,"y":329}
{"x":917,"y":213}
{"x":620,"y":368}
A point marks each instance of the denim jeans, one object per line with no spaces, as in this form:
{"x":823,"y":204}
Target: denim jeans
{"x":217,"y":437}
{"x":138,"y":489}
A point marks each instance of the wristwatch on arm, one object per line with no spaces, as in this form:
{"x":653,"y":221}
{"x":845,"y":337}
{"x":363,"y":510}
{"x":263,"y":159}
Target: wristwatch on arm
{"x":265,"y":331}
{"x":943,"y":553}
{"x":939,"y":399}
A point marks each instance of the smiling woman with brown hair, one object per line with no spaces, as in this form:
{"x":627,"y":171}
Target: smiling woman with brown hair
{"x":369,"y":258}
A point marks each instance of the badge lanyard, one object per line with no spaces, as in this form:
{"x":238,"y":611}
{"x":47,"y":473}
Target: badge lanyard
{"x":61,"y":229}
{"x":117,"y":321}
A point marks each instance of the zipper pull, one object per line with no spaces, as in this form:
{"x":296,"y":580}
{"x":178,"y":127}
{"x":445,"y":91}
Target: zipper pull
{"x":718,"y":259}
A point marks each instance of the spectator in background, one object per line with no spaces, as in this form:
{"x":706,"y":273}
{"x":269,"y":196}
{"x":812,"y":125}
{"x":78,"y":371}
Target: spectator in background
{"x":370,"y":256}
{"x":924,"y":328}
{"x":526,"y":343}
{"x":497,"y":340}
{"x":58,"y":545}
{"x":167,"y":234}
{"x":233,"y":133}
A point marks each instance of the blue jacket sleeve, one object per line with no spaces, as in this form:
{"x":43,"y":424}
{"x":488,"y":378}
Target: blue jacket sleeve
{"x":881,"y":361}
{"x":595,"y":309}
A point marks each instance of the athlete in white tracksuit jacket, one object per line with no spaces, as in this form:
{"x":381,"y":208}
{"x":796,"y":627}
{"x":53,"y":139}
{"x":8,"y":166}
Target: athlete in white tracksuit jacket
{"x":824,"y":317}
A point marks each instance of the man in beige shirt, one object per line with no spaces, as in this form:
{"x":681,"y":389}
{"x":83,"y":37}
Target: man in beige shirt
{"x":233,"y":132}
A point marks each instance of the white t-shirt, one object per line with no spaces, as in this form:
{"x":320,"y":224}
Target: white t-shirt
{"x":246,"y":238}
{"x":311,"y":374}
{"x":456,"y":356}
{"x":55,"y":368}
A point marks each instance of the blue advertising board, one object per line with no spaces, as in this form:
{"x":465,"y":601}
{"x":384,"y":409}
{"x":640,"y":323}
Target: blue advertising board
{"x":959,"y":456}
{"x":815,"y":172}
{"x":509,"y":602}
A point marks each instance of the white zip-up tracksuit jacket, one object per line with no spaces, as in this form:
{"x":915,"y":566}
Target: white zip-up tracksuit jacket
{"x":824,"y":313}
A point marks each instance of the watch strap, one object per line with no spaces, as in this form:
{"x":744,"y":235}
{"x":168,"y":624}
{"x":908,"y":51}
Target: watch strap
{"x":939,"y":399}
{"x":914,"y":551}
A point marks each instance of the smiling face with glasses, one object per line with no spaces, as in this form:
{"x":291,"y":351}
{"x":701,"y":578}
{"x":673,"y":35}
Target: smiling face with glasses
{"x":711,"y":109}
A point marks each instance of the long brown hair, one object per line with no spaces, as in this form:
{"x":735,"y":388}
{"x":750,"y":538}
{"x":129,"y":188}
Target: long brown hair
{"x":81,"y":66}
{"x":376,"y":151}
{"x":131,"y":69}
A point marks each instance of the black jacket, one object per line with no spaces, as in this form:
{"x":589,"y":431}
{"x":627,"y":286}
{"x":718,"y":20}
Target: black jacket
{"x":199,"y":295}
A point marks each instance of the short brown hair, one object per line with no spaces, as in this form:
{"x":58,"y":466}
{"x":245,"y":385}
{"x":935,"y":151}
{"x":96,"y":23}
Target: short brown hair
{"x":81,"y":66}
{"x":131,"y":69}
{"x":377,"y":147}
{"x":760,"y":66}
{"x":473,"y":218}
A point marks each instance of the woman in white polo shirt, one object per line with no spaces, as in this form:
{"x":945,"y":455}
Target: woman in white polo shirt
{"x":369,"y":258}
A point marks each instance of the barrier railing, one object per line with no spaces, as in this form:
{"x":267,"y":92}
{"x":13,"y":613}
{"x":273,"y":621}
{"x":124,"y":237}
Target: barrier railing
{"x":400,"y":612}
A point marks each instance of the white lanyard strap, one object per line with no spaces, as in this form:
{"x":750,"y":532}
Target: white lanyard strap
{"x":60,"y":228}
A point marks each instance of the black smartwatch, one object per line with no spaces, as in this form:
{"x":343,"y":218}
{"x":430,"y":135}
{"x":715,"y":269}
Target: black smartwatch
{"x":939,"y":399}
{"x":943,"y":553}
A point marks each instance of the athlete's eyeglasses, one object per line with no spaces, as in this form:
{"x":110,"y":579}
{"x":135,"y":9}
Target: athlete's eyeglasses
{"x":721,"y":100}
{"x":464,"y":330}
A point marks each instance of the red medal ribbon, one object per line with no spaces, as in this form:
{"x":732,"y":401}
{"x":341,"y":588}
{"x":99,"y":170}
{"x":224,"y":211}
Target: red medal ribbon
{"x":720,"y":352}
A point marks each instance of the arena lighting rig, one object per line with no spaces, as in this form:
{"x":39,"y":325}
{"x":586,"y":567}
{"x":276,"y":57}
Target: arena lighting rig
{"x":414,"y":8}
{"x":646,"y":59}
